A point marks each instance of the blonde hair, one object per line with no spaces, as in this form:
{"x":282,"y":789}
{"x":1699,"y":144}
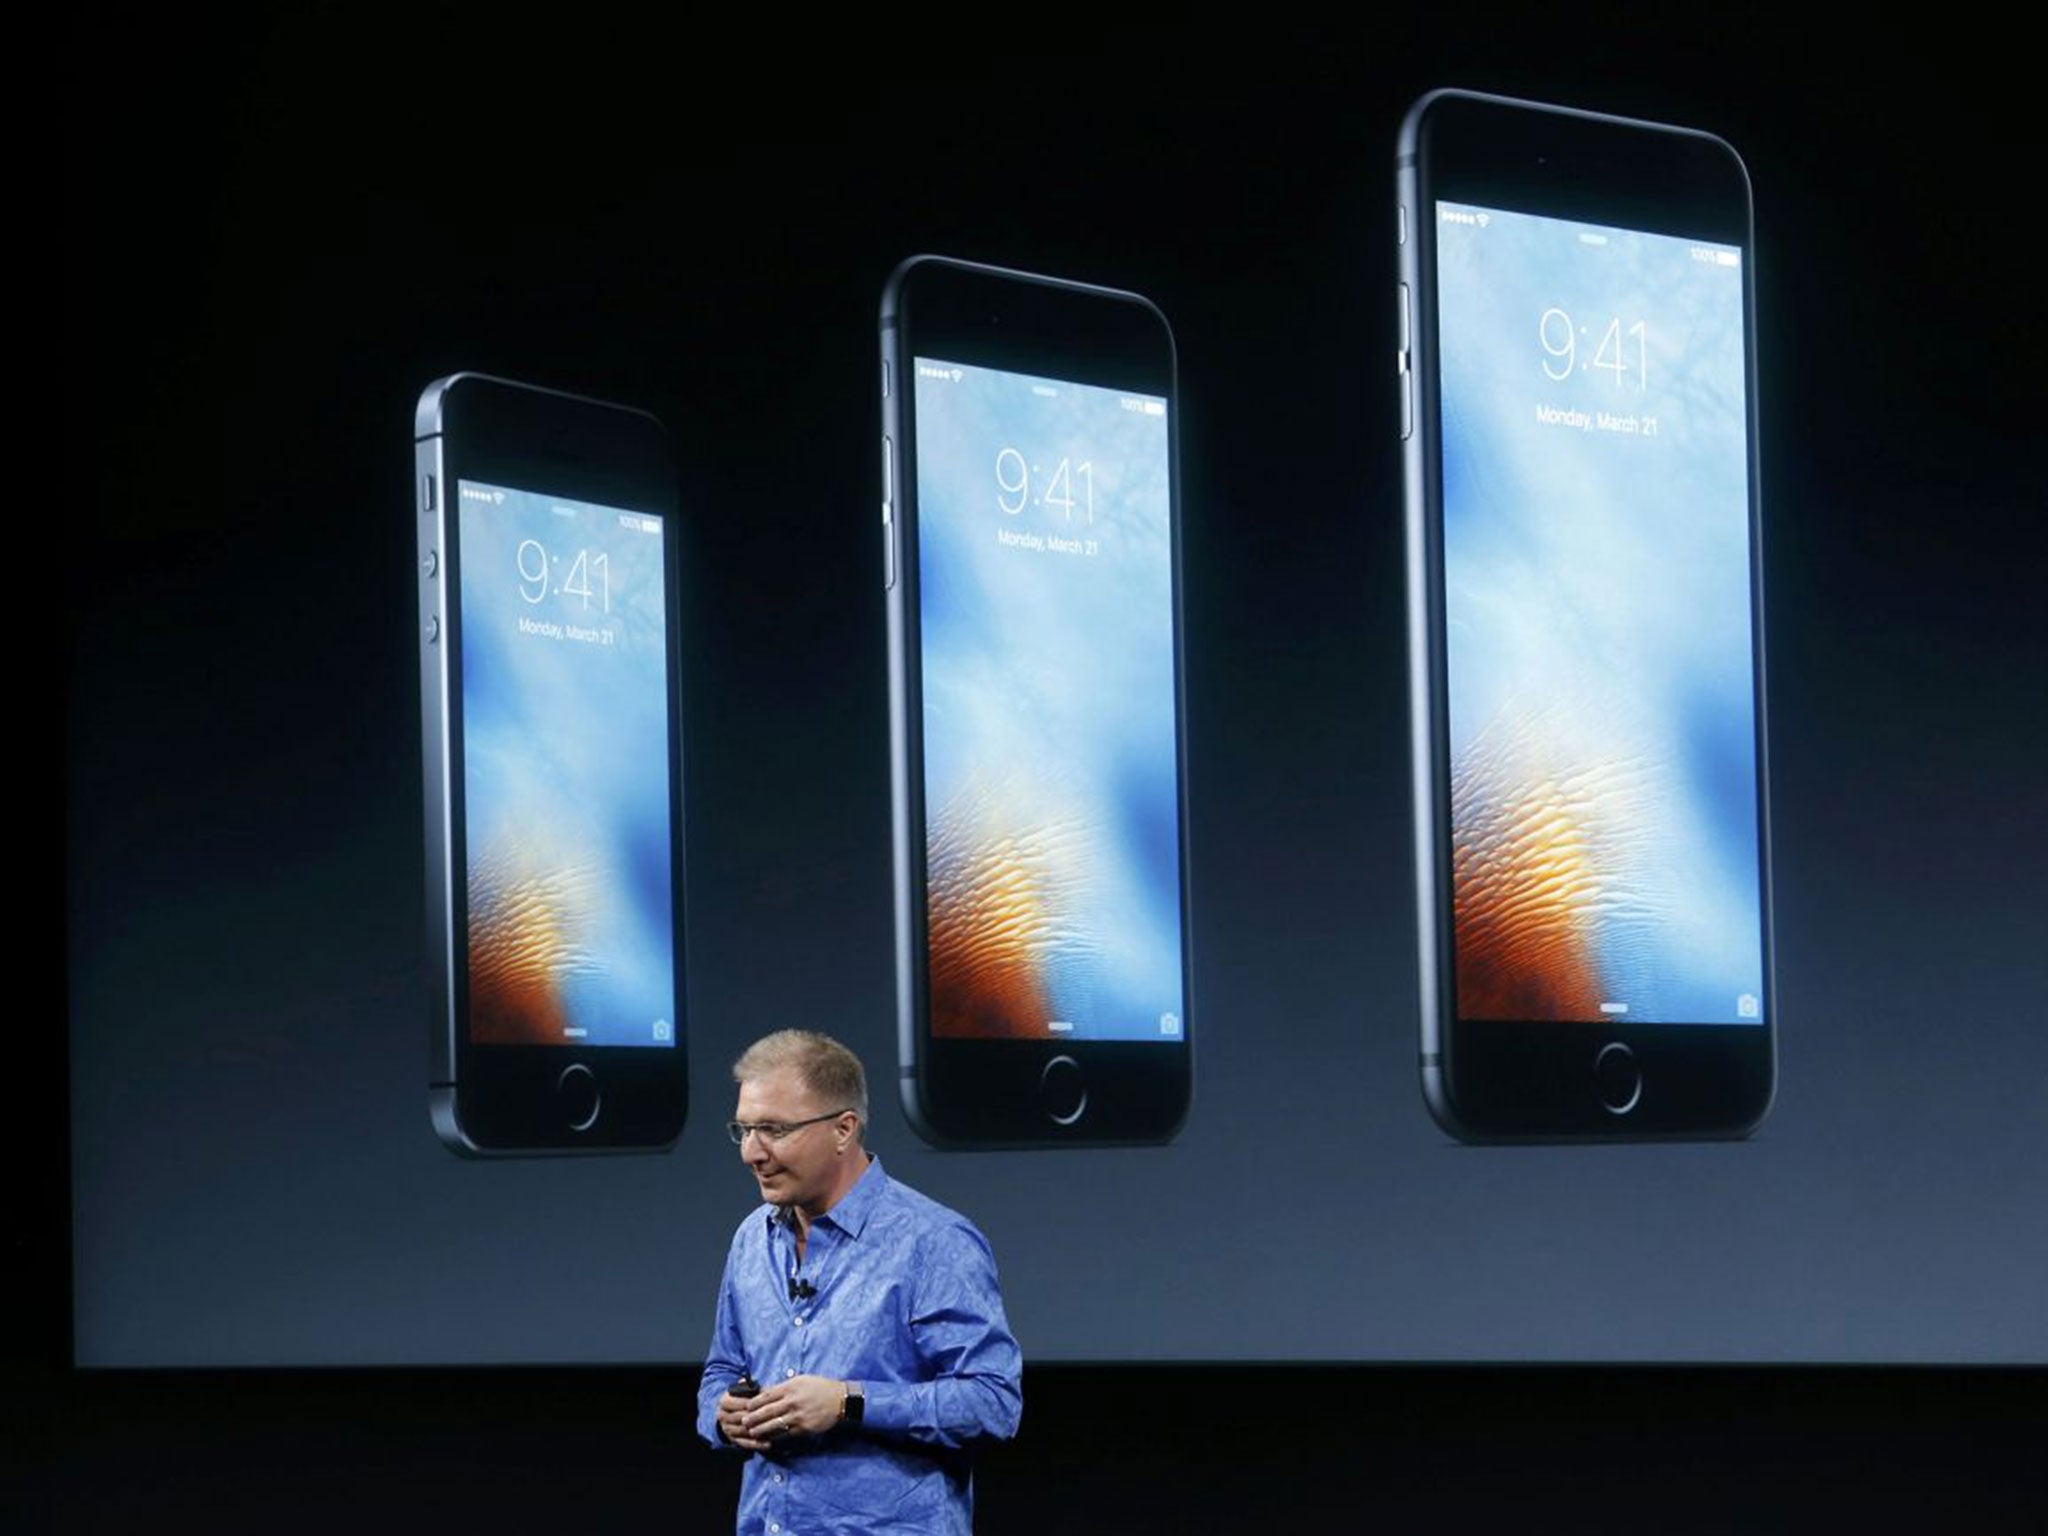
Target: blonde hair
{"x":827,"y":1068}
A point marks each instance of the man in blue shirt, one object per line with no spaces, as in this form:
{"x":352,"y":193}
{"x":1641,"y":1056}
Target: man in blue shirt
{"x":865,"y":1317}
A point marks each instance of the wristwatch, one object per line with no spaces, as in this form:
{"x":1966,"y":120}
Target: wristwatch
{"x":853,"y":1405}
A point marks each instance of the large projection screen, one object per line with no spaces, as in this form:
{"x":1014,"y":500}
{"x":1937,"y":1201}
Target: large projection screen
{"x":254,"y":1177}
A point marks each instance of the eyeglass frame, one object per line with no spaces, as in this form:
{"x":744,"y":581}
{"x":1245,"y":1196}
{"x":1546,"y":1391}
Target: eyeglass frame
{"x":774,"y":1132}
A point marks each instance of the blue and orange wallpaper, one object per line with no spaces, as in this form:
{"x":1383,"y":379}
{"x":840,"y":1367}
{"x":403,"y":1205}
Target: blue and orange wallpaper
{"x":565,"y":701}
{"x":1598,"y":631}
{"x":1051,"y":779}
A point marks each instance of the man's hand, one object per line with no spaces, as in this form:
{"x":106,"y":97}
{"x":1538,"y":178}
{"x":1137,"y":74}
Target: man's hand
{"x":801,"y":1405}
{"x":732,"y":1422}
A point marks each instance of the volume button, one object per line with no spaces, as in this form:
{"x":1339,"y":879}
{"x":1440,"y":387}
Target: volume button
{"x":888,"y":517}
{"x":1402,"y":362}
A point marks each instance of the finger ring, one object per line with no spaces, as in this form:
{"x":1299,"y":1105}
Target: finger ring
{"x":785,"y":1425}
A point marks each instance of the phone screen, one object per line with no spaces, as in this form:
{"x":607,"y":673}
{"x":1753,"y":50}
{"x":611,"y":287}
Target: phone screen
{"x":1051,"y":778}
{"x":1598,"y":627}
{"x":565,"y":772}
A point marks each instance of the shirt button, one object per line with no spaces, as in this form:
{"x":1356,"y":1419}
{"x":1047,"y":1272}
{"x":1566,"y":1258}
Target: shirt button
{"x":790,"y":1372}
{"x":776,"y":1528}
{"x":778,"y":1477}
{"x":799,"y":1322}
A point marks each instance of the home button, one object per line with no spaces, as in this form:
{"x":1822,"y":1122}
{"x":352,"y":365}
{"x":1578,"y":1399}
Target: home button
{"x":1618,"y":1078}
{"x":1062,"y":1090}
{"x":576,"y":1096}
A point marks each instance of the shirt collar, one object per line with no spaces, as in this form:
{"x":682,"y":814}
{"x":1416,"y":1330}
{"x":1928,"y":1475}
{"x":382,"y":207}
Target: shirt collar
{"x":854,"y":1207}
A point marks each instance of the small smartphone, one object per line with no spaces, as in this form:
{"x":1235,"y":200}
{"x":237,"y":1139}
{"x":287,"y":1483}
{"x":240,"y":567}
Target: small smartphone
{"x":1031,"y":555}
{"x":1579,"y":414}
{"x":549,"y":694}
{"x":746,"y":1386}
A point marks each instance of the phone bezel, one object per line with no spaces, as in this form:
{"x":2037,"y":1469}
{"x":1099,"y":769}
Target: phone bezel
{"x":984,"y":1092}
{"x":502,"y":1099}
{"x":1534,"y":1080}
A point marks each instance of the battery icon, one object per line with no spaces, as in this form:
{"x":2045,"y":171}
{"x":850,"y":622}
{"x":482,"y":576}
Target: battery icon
{"x":1155,"y":408}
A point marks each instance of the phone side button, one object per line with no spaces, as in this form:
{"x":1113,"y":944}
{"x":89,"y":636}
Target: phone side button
{"x":426,"y":493}
{"x":1617,"y":1077}
{"x":578,"y":1098}
{"x":433,"y":628}
{"x":1063,"y":1090}
{"x":1402,"y":365}
{"x":888,"y":512}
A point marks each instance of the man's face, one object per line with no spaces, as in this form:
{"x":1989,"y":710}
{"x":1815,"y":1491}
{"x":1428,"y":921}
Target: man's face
{"x":799,"y":1168}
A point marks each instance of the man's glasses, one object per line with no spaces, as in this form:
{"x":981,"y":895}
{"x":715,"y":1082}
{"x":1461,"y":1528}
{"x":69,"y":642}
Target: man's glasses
{"x":772,"y":1131}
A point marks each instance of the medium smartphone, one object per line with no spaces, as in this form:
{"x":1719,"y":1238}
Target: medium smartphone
{"x":1579,"y":416}
{"x":549,"y":694}
{"x":1031,"y":556}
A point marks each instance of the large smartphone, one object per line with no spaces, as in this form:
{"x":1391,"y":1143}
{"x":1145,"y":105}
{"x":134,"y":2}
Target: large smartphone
{"x":1579,"y":412}
{"x":1031,"y":553}
{"x":549,"y":694}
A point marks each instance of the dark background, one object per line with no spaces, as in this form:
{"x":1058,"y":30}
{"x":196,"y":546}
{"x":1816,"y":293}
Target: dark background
{"x":273,"y":234}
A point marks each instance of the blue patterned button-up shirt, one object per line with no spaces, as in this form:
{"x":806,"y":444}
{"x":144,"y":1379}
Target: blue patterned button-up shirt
{"x":907,"y":1305}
